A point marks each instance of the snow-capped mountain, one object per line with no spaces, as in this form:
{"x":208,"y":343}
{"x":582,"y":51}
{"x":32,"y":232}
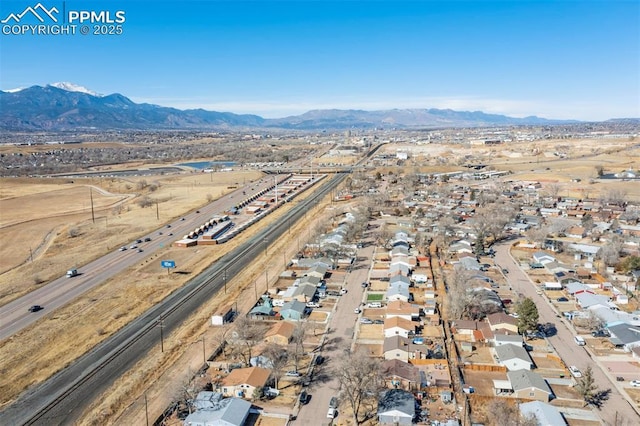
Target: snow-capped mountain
{"x":70,"y":87}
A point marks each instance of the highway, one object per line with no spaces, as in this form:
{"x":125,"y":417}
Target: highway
{"x":15,"y":315}
{"x":62,"y":398}
{"x":616,"y":408}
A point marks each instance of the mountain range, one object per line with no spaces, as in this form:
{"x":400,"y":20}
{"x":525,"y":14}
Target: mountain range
{"x":66,"y":106}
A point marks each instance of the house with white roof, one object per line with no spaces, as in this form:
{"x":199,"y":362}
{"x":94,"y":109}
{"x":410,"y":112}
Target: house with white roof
{"x":545,"y":414}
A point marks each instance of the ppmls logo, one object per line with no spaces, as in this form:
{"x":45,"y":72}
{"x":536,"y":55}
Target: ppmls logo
{"x":33,"y":11}
{"x":40,"y":20}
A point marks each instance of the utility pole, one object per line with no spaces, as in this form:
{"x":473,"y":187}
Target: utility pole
{"x":93,"y":216}
{"x":157,"y":211}
{"x":266,"y":276}
{"x":204,"y":352}
{"x":146,"y":408}
{"x":225,"y":280}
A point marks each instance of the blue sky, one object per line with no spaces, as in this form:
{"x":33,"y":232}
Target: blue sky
{"x":556,"y":59}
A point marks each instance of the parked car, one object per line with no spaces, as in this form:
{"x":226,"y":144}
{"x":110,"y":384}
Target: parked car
{"x":505,"y":271}
{"x":35,"y":308}
{"x":600,"y":333}
{"x":365,"y":320}
{"x":343,"y":291}
{"x":333,"y":402}
{"x":575,"y":372}
{"x":304,"y":397}
{"x":357,"y":311}
{"x":378,"y":321}
{"x":634,"y":383}
{"x":292,"y":374}
{"x":364,"y":285}
{"x":319,"y":360}
{"x":332,"y":413}
{"x":313,"y":305}
{"x":562,"y":299}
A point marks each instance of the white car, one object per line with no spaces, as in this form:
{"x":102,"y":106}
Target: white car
{"x":343,"y":291}
{"x":634,"y":383}
{"x":357,"y":311}
{"x":292,"y":374}
{"x":575,"y":371}
{"x":332,"y":413}
{"x":313,"y":305}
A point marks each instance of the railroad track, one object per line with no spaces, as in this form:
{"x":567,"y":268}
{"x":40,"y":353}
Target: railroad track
{"x":62,"y":398}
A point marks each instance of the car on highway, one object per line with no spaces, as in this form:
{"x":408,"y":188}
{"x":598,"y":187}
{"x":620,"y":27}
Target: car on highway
{"x":168,"y":226}
{"x":575,"y":372}
{"x":292,"y":374}
{"x":634,"y":383}
{"x":123,"y":248}
{"x":562,"y":299}
{"x":133,"y":246}
{"x":35,"y":308}
{"x":139,"y":250}
{"x":197,"y":211}
{"x":147,"y":239}
{"x":138,"y":241}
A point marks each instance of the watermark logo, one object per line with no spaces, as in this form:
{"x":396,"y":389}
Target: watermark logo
{"x":16,"y":18}
{"x":57,"y":20}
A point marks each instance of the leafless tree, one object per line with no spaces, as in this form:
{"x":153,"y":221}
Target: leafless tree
{"x":614,"y":196}
{"x":246,"y":334}
{"x":360,"y":379}
{"x":610,"y":253}
{"x":537,"y":235}
{"x":505,"y":412}
{"x":279,"y":357}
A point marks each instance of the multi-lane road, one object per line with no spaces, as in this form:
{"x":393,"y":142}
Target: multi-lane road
{"x":616,"y":410}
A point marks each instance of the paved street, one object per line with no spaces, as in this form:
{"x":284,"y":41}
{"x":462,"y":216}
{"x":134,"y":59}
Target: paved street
{"x":615,"y":411}
{"x":338,"y":340}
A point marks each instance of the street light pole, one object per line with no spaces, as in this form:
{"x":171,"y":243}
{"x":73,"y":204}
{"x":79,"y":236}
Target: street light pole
{"x":160,"y":322}
{"x":204,"y":352}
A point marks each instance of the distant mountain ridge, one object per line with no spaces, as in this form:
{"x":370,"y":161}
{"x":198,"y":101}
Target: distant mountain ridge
{"x":66,"y":106}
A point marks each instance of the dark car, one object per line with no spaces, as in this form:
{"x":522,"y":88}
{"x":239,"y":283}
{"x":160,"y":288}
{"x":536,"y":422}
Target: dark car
{"x":147,"y":239}
{"x":304,"y":397}
{"x":505,"y":271}
{"x":600,"y":333}
{"x":319,"y":360}
{"x":562,"y":299}
{"x":333,"y":402}
{"x":35,"y":308}
{"x":197,"y":211}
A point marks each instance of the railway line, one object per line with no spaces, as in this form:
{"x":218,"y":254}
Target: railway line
{"x":61,"y":399}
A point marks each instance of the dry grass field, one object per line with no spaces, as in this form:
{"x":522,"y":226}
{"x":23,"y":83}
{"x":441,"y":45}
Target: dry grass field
{"x":48,"y":227}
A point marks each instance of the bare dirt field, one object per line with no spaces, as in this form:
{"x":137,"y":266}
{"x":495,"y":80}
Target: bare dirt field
{"x":482,"y":381}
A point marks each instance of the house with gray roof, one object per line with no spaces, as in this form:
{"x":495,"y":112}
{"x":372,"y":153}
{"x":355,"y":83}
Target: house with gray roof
{"x":293,"y":310}
{"x":625,"y":335}
{"x":396,"y":407}
{"x":585,"y":300}
{"x":398,"y":291}
{"x":527,"y":384}
{"x":318,"y":271}
{"x":214,"y":410}
{"x":400,"y":279}
{"x":546,"y":414}
{"x":513,"y":357}
{"x":304,"y":292}
{"x":508,"y":339}
{"x":543,"y":258}
{"x":470,"y":263}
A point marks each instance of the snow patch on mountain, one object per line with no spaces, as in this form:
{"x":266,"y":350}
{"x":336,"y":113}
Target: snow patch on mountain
{"x":71,"y":87}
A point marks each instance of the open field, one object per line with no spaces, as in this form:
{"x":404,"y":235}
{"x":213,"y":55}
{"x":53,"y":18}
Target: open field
{"x":49,"y":220}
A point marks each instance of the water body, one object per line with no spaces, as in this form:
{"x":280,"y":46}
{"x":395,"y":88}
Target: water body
{"x":201,"y":165}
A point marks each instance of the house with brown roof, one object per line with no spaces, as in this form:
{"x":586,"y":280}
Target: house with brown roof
{"x":242,"y":382}
{"x":280,"y":333}
{"x":398,"y":326}
{"x":406,"y":310}
{"x":401,"y":375}
{"x":401,"y":348}
{"x":501,"y":320}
